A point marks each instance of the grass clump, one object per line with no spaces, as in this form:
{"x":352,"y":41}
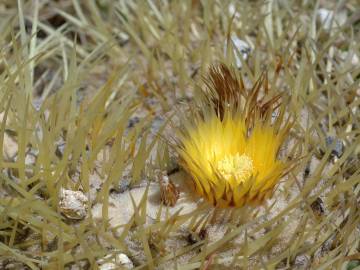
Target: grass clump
{"x":88,"y":91}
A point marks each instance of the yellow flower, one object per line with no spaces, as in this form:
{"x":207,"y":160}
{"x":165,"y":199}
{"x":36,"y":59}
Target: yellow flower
{"x":232,"y":156}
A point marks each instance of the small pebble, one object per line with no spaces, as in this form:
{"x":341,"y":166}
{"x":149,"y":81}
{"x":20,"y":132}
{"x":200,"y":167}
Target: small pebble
{"x":124,"y":185}
{"x":328,"y":245}
{"x":73,"y":204}
{"x":318,"y":207}
{"x":328,"y":20}
{"x":232,"y":11}
{"x":338,"y":148}
{"x":133,"y":121}
{"x":239,"y":46}
{"x":350,"y":55}
{"x":119,"y":261}
{"x":302,"y":260}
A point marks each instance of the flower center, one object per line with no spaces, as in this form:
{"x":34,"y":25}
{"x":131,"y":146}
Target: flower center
{"x":238,"y":166}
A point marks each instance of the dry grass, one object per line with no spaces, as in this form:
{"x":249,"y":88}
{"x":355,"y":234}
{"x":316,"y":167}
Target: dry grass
{"x":86,"y":88}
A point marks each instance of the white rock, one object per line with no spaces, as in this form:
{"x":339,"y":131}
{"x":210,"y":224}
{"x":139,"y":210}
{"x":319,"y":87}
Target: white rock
{"x":30,"y":160}
{"x":121,"y":209}
{"x":73,"y":204}
{"x":239,"y":47}
{"x":119,"y":260}
{"x":328,"y":20}
{"x":355,"y":61}
{"x":232,"y":11}
{"x":10,"y":148}
{"x":352,"y":56}
{"x":302,"y":260}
